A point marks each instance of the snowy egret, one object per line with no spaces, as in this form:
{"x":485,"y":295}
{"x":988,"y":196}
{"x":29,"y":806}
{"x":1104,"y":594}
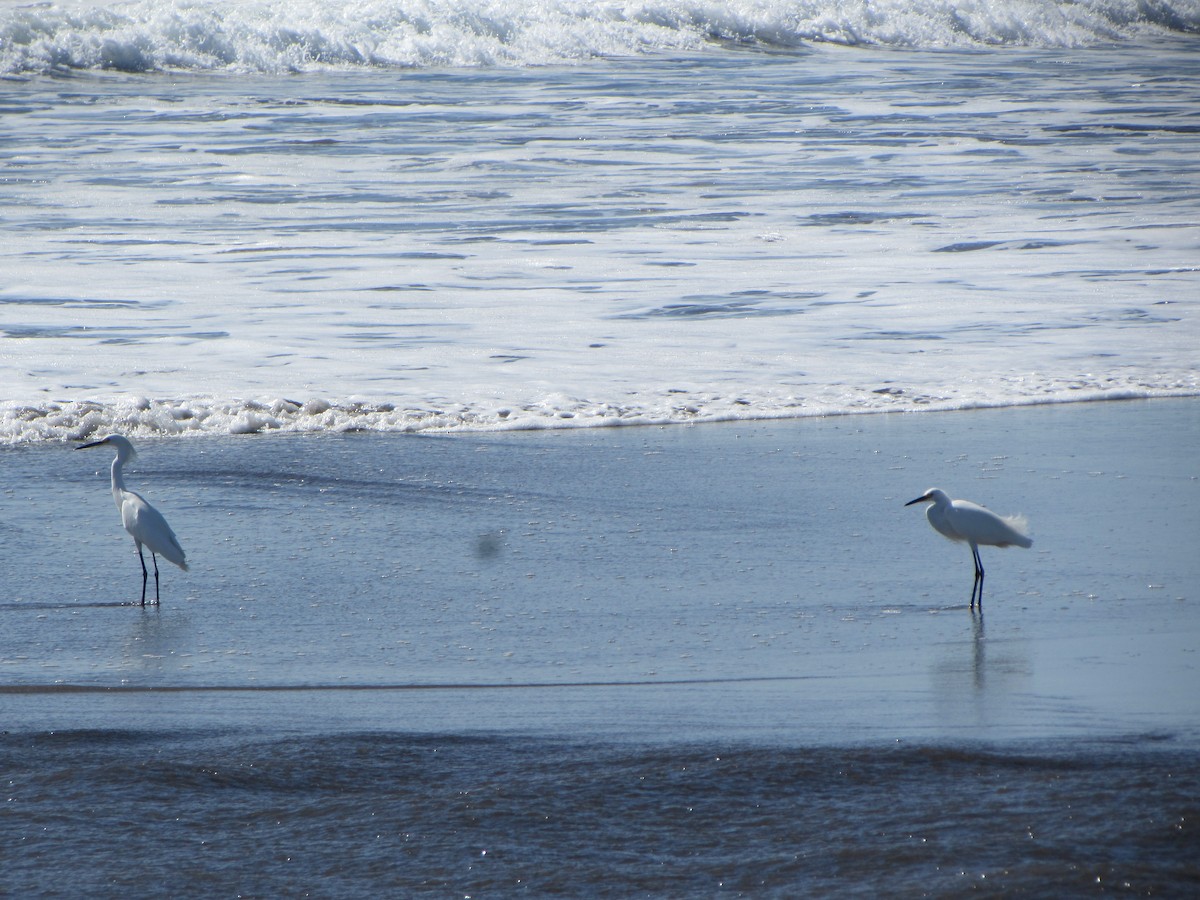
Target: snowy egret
{"x":143,"y":522}
{"x":962,"y":520}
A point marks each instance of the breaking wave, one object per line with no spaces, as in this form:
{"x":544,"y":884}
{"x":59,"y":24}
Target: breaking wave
{"x":272,"y":36}
{"x":24,"y":423}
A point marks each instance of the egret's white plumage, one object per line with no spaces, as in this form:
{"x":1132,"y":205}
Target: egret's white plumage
{"x":962,"y":520}
{"x":144,"y":523}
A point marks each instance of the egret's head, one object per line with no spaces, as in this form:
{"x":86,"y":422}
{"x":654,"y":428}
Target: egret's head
{"x":120,"y":443}
{"x":933,"y":495}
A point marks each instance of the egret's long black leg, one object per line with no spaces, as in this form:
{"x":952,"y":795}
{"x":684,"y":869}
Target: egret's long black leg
{"x":145,"y":574}
{"x":978,"y":578}
{"x":154,"y":558}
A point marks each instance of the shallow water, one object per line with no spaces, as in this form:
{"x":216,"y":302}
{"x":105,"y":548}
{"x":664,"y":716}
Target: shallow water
{"x":725,"y":553}
{"x":614,"y":662}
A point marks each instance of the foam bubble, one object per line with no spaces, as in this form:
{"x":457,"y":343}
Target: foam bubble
{"x":22,"y":423}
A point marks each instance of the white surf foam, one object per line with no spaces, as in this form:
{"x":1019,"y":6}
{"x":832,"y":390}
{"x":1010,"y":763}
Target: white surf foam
{"x":298,"y":35}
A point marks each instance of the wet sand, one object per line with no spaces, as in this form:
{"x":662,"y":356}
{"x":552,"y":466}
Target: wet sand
{"x":756,"y":582}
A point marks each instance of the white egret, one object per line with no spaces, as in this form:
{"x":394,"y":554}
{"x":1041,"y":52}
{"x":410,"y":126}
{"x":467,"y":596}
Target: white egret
{"x":962,"y":520}
{"x":143,"y":522}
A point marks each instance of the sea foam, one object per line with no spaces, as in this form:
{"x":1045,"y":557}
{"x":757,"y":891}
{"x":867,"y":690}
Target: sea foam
{"x":299,"y":35}
{"x":22,"y":423}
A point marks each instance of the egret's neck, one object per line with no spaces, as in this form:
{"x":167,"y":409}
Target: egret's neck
{"x":118,"y":480}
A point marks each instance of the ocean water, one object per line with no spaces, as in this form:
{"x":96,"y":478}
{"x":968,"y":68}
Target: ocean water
{"x":224,"y":217}
{"x":380,"y":261}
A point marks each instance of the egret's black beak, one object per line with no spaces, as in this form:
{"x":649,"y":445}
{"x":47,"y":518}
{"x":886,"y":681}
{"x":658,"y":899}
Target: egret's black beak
{"x":92,"y":444}
{"x":918,"y":500}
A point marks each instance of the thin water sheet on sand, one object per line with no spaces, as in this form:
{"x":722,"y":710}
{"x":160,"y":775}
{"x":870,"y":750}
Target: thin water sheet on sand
{"x":757,"y":581}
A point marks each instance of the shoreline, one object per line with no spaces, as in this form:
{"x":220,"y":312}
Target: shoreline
{"x":65,"y":421}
